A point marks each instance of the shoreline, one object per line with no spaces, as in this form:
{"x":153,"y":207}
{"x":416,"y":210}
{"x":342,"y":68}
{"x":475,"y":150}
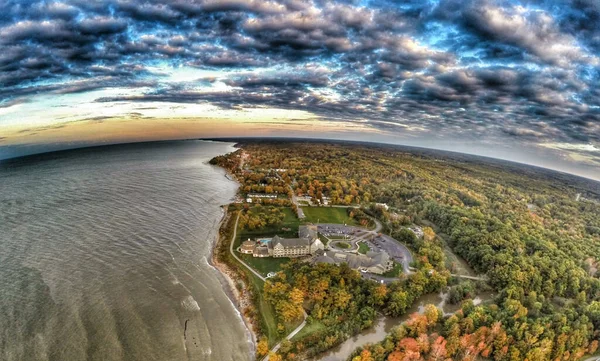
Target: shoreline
{"x":227,"y":277}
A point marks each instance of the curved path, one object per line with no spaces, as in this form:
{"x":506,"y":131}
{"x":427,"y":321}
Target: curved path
{"x":304,"y":315}
{"x":238,"y":258}
{"x":289,"y":337}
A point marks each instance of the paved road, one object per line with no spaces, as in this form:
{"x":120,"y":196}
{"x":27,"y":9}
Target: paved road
{"x":238,"y":258}
{"x":300,"y":212}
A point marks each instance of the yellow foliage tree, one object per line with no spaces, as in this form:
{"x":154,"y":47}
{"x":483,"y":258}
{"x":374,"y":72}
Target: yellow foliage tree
{"x":262,"y":348}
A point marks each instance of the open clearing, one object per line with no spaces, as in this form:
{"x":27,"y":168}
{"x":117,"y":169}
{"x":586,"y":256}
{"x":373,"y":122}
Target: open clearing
{"x":336,"y":215}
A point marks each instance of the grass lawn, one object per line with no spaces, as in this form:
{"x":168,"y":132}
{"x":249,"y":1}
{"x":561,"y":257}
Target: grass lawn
{"x":328,"y":215}
{"x":363,"y":248}
{"x":394,"y":272}
{"x":265,"y":310}
{"x":264,"y":265}
{"x":310,"y":328}
{"x":341,"y":245}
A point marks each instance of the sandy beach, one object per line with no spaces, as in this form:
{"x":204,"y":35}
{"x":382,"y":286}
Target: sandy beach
{"x":233,"y":286}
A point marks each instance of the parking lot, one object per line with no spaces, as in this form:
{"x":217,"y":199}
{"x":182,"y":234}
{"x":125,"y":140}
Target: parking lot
{"x":376,"y":242}
{"x":338,"y":230}
{"x":397,"y":251}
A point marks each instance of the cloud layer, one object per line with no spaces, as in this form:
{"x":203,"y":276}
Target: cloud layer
{"x":525,"y":70}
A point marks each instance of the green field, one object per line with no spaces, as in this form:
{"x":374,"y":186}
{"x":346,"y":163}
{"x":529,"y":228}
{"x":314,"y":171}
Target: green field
{"x":264,"y":265}
{"x":309,"y":329}
{"x":363,"y":248}
{"x":328,"y":215}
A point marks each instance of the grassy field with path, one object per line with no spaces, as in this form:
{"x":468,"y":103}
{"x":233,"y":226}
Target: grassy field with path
{"x":328,"y":215}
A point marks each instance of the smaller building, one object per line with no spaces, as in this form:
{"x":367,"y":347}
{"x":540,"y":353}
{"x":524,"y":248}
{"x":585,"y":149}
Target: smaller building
{"x":248,"y":247}
{"x":262,"y":195}
{"x":372,"y":262}
{"x":261,"y":251}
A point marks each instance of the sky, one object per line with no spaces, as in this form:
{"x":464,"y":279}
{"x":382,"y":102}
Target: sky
{"x":515,"y":80}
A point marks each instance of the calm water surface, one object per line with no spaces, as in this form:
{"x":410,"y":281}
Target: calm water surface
{"x":103,"y":256}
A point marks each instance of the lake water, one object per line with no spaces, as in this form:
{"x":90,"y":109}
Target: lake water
{"x":103,"y":256}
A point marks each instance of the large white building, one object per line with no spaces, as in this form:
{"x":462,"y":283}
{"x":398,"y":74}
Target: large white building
{"x":307,"y":243}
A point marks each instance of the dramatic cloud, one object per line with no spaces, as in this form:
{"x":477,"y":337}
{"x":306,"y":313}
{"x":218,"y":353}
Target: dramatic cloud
{"x":525,"y":71}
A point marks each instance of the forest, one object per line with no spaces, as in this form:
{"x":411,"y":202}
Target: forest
{"x":525,"y":228}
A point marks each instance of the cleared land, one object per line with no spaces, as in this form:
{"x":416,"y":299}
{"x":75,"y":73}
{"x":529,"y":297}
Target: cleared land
{"x":264,"y":265}
{"x":309,"y":329}
{"x":328,"y":215}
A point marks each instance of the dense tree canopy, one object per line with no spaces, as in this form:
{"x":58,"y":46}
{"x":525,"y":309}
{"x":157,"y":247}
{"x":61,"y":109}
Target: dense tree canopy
{"x":533,"y":233}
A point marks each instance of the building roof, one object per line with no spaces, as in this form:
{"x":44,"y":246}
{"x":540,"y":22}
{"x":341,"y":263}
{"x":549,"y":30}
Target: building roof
{"x":324,"y":259}
{"x":355,"y":261}
{"x":307,"y":232}
{"x":307,"y":237}
{"x":262,"y":251}
{"x":248,"y":244}
{"x":290,"y":242}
